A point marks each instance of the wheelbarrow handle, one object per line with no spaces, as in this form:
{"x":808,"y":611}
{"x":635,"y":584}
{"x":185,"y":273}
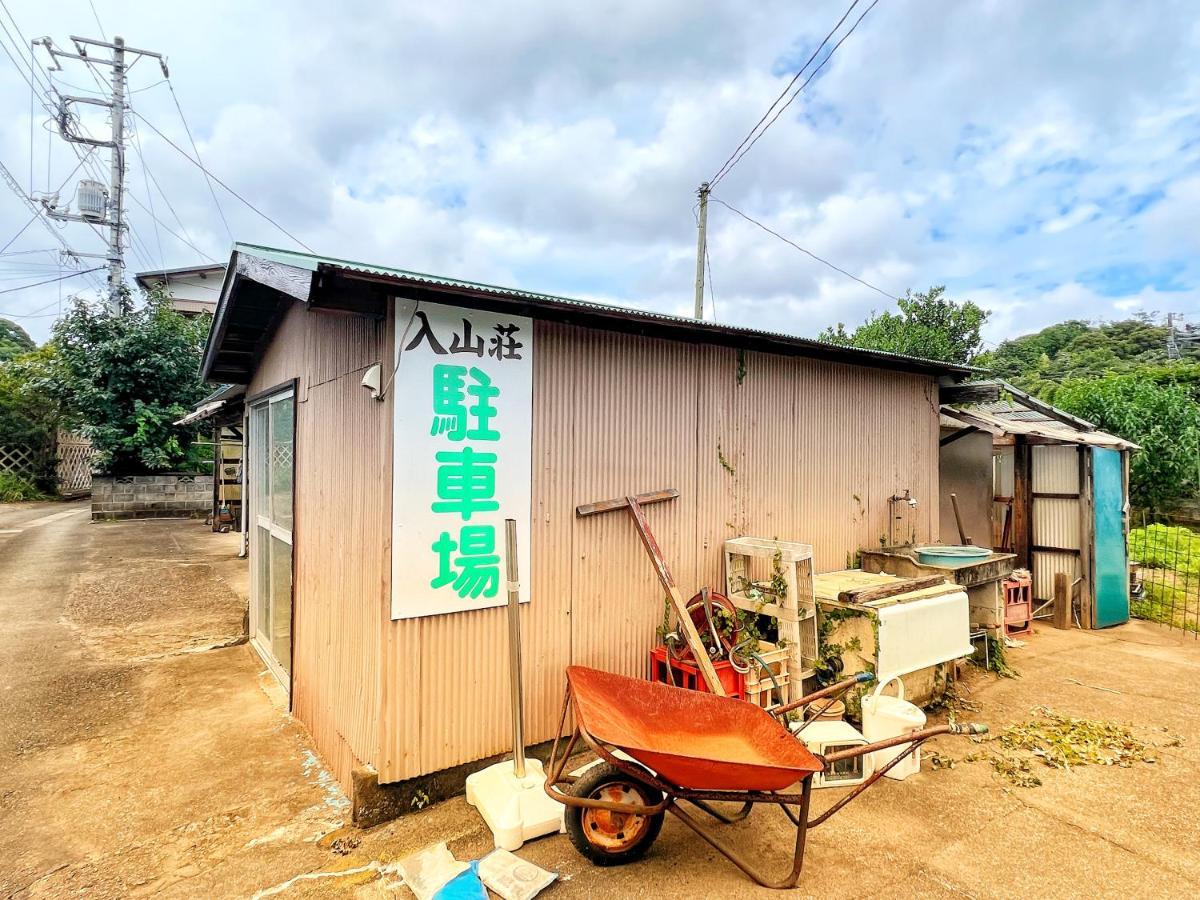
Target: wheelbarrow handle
{"x":833,"y":690}
{"x":968,"y":728}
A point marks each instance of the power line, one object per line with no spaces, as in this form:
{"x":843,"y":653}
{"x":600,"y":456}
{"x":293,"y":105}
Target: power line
{"x":712,"y":288}
{"x":96,"y":16}
{"x":196,"y":150}
{"x":186,"y":238}
{"x":200,"y":166}
{"x":20,"y":232}
{"x":721,"y":171}
{"x":137,"y":146}
{"x":738,"y":156}
{"x":50,"y":280}
{"x":793,"y":244}
{"x":30,"y":205}
{"x":167,"y":228}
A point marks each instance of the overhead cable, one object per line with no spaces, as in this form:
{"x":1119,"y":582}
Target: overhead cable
{"x":721,"y":171}
{"x":737,"y":157}
{"x":201,"y":167}
{"x":806,"y":252}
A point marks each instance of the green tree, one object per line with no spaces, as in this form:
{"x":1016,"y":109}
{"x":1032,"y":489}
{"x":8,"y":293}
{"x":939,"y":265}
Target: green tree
{"x":28,"y":416}
{"x":1076,"y":349}
{"x":929,"y":325}
{"x":1162,"y":418}
{"x":14,"y":340}
{"x":124,"y":379}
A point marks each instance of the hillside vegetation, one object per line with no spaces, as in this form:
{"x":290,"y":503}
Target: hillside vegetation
{"x":1117,"y":375}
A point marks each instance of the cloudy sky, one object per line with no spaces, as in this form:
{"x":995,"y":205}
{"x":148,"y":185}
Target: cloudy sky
{"x":1040,"y":158}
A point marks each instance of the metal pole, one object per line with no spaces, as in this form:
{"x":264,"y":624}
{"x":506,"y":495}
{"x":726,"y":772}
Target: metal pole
{"x":116,"y":177}
{"x":701,"y":247}
{"x":514,"y":646}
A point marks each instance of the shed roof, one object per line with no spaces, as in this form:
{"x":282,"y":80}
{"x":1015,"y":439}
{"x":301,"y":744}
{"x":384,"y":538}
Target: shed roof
{"x":1020,"y":413}
{"x":261,"y":281}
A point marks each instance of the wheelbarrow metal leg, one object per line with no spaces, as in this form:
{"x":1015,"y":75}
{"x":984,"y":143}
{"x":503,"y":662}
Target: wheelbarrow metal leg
{"x":750,"y":871}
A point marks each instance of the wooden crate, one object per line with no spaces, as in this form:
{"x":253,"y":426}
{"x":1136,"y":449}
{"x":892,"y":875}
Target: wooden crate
{"x":795,"y":612}
{"x":760,"y":687}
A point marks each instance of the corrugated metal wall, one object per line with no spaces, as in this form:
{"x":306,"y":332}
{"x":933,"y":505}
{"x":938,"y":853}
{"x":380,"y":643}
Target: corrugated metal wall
{"x":815,"y":451}
{"x":1056,"y":520}
{"x":343,"y":514}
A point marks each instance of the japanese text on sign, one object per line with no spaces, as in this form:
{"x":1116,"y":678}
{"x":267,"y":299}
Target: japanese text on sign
{"x":463,"y":420}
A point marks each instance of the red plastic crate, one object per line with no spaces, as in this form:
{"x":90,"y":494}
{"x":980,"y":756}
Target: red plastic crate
{"x":1018,"y":606}
{"x":689,"y":676}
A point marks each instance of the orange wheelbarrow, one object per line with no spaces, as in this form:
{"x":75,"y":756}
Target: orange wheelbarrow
{"x":660,"y":745}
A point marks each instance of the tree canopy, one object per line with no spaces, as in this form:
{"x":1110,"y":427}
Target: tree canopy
{"x":929,"y":325}
{"x":123,"y":379}
{"x":14,"y":340}
{"x":1039,"y":362}
{"x":1162,"y":418}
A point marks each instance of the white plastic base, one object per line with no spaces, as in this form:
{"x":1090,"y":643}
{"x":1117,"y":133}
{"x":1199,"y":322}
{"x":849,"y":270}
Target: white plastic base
{"x":516,"y":809}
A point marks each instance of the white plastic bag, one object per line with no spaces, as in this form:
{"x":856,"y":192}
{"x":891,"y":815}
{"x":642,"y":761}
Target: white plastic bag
{"x":429,"y":871}
{"x":511,"y":877}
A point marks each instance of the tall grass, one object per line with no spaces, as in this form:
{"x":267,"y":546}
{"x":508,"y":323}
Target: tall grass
{"x":15,"y":488}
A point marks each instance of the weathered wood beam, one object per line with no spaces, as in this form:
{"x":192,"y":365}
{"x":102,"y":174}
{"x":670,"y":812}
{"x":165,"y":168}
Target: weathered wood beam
{"x":961,"y":433}
{"x":1022,"y":514}
{"x":335,"y":292}
{"x":288,"y":280}
{"x":969,"y":392}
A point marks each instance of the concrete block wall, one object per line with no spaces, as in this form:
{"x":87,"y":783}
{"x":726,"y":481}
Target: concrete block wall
{"x":169,"y":496}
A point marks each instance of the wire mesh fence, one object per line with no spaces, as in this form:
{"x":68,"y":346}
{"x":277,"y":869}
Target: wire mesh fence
{"x":1165,"y":587}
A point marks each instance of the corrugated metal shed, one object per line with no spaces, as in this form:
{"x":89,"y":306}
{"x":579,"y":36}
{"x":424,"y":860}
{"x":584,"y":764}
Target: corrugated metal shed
{"x":817,"y":438}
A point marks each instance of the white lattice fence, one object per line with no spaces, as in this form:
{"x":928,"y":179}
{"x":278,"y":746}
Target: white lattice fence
{"x":74,"y":466}
{"x":18,"y":459}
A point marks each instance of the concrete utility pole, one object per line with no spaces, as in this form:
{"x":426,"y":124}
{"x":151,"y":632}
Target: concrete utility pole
{"x":116,"y":178}
{"x":701,"y":248}
{"x":109,"y":210}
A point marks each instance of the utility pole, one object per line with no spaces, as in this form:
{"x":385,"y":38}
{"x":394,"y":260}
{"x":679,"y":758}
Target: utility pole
{"x":1172,"y":342}
{"x":701,"y":248}
{"x":97,"y":205}
{"x":116,"y":178}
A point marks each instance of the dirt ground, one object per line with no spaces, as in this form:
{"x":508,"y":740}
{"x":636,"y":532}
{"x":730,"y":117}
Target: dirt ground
{"x":144,"y":752}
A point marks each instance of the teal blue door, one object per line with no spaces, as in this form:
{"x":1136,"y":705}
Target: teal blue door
{"x":1112,"y":566}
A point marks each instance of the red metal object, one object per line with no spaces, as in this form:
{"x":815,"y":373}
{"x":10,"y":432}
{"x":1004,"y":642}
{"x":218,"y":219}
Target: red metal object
{"x":1018,"y":605}
{"x":692,"y":739}
{"x":703,"y":611}
{"x":694,"y":747}
{"x":665,"y":669}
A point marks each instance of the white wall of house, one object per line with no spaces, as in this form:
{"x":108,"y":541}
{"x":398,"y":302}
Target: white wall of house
{"x":192,"y":292}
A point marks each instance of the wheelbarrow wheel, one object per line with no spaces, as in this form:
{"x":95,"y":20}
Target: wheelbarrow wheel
{"x":612,"y":838}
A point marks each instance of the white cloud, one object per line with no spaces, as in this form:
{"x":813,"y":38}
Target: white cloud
{"x":1084,"y":212}
{"x":1034,"y":157}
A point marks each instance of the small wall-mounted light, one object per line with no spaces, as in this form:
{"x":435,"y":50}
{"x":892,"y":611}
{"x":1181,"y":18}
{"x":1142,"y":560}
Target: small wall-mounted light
{"x":371,"y":380}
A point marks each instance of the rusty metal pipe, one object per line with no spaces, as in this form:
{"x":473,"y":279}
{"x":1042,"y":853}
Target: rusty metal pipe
{"x":832,"y":690}
{"x":910,"y":738}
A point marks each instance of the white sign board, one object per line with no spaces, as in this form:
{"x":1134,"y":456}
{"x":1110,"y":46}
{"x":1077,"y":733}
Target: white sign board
{"x":462,"y":458}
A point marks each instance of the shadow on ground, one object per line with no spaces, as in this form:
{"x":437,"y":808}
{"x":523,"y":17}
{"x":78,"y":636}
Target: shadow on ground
{"x":150,"y":754}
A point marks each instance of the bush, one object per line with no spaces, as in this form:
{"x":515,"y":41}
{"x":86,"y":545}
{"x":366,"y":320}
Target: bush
{"x":124,"y":379}
{"x":15,"y":488}
{"x":1163,"y":419}
{"x":28,"y":416}
{"x":1166,"y":547}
